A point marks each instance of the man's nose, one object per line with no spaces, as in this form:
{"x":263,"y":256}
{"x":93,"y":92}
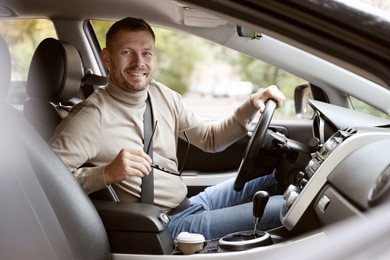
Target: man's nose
{"x":138,"y":60}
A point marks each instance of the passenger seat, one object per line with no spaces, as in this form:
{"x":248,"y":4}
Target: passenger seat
{"x":5,"y":70}
{"x":54,"y":79}
{"x":40,"y":199}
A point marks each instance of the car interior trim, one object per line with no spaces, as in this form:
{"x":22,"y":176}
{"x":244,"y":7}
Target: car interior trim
{"x":318,"y":180}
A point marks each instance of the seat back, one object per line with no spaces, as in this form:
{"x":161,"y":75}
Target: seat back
{"x":54,"y":79}
{"x":44,"y":213}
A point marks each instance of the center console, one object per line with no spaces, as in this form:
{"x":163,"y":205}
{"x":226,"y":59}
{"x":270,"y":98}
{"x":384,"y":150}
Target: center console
{"x":315,"y":193}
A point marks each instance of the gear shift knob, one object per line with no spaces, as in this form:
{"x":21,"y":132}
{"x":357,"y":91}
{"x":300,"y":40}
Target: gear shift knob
{"x":244,"y":240}
{"x":260,"y":200}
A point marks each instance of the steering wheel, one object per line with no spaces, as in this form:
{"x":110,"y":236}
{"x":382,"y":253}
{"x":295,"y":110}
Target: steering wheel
{"x":256,"y":143}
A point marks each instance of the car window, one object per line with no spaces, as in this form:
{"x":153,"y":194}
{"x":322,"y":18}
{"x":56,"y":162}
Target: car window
{"x":22,"y":46}
{"x":363,"y":107}
{"x":213,"y":79}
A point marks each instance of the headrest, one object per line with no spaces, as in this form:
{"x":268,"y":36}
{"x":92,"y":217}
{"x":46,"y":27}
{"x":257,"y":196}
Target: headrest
{"x":5,"y":69}
{"x":55,"y":71}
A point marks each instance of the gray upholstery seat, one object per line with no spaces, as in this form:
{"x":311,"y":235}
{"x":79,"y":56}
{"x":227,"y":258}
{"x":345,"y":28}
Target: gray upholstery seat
{"x":5,"y":70}
{"x":44,"y":212}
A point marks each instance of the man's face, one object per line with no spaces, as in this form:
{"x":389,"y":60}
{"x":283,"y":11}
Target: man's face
{"x":131,"y":59}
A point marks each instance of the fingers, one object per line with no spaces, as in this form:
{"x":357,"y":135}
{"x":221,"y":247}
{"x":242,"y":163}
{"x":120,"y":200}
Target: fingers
{"x":127,"y":163}
{"x":136,"y":162}
{"x":274,"y":93}
{"x":138,"y":159}
{"x":259,"y":99}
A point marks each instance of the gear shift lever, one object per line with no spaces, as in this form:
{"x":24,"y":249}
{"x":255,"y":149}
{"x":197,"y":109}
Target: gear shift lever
{"x":260,"y":200}
{"x":244,"y":240}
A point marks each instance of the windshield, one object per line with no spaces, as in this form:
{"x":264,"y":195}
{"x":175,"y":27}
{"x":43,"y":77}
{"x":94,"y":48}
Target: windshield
{"x":378,"y":7}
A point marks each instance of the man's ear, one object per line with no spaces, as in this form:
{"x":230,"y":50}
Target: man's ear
{"x":105,"y":56}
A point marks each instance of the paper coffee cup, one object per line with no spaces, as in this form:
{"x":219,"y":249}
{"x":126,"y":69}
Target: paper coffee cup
{"x":190,"y":243}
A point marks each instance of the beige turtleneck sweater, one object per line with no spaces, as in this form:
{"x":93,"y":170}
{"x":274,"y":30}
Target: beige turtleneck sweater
{"x":112,"y":118}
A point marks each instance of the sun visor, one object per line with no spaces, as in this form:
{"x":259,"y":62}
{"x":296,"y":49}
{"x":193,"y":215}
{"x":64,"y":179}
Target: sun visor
{"x":196,"y":18}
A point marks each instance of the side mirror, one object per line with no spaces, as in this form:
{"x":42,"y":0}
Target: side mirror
{"x":301,"y":94}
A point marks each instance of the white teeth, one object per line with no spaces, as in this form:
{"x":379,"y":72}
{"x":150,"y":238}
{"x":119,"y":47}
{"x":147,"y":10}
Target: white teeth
{"x":136,"y":74}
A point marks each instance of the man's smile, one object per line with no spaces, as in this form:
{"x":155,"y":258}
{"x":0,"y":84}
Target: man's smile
{"x":136,"y":73}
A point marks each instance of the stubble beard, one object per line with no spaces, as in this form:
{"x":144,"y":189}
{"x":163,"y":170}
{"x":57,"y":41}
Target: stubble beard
{"x":137,"y":86}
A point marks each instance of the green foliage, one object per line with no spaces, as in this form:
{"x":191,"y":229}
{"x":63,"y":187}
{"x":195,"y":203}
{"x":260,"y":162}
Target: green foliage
{"x":179,"y":53}
{"x":101,"y":28}
{"x":365,"y":108}
{"x":22,"y":37}
{"x":177,"y":56}
{"x":262,"y":75}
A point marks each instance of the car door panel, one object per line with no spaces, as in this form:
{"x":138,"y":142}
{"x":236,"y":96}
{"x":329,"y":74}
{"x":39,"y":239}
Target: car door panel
{"x":202,"y":169}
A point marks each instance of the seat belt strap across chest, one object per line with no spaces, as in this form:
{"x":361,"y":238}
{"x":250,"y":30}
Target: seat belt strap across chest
{"x":147,"y":186}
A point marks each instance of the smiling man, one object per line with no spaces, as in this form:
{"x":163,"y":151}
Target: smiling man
{"x":131,"y":59}
{"x":107,"y":130}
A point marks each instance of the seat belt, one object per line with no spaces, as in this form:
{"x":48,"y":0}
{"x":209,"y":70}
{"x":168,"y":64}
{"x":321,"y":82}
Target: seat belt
{"x":147,"y":186}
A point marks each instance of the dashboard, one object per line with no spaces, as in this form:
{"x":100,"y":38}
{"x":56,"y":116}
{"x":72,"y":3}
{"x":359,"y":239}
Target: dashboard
{"x":349,"y":171}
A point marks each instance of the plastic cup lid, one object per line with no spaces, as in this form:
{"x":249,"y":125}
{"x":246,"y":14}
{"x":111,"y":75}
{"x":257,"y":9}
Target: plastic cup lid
{"x":185,"y":237}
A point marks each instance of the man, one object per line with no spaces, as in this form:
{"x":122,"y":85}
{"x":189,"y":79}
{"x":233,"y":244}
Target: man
{"x":106,"y":130}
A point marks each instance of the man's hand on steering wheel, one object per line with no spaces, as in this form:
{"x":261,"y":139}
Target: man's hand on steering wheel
{"x":266,"y":101}
{"x":258,"y":99}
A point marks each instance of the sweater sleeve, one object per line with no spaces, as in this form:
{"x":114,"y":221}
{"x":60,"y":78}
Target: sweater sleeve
{"x":76,"y":141}
{"x":215,"y":136}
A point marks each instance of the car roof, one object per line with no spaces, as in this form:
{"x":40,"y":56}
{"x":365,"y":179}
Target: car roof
{"x":349,"y":37}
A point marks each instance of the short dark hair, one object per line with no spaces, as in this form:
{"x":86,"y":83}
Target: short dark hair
{"x":130,"y":24}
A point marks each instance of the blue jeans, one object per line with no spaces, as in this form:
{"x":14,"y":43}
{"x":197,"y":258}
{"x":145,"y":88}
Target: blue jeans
{"x":219,"y":210}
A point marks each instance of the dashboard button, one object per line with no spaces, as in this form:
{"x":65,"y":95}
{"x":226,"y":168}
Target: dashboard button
{"x":323,"y":203}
